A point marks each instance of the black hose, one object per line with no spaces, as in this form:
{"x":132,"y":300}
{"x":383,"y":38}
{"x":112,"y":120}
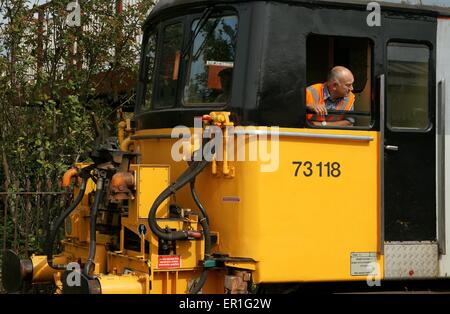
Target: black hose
{"x":189,"y":175}
{"x":54,"y":227}
{"x":193,"y":170}
{"x":200,"y":283}
{"x":93,"y":222}
{"x":205,"y":226}
{"x":197,"y":201}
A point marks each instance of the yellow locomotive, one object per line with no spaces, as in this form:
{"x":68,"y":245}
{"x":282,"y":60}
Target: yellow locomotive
{"x":204,"y":193}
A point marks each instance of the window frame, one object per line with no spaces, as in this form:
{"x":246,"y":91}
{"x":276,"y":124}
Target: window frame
{"x":224,"y":12}
{"x":160,"y":40}
{"x":373,"y":86}
{"x":186,"y":21}
{"x":430,"y":125}
{"x":145,"y":75}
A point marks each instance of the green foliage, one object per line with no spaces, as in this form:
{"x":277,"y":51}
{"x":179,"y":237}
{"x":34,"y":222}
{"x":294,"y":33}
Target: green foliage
{"x":52,"y":77}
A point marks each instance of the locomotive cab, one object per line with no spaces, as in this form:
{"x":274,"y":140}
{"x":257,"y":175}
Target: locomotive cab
{"x":226,"y":186}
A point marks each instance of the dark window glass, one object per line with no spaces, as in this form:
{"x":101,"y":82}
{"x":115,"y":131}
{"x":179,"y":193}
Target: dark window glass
{"x":150,"y":49}
{"x":211,"y":65}
{"x":167,"y":77}
{"x":407,"y":86}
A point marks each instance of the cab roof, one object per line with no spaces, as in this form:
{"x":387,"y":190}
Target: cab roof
{"x":435,"y":7}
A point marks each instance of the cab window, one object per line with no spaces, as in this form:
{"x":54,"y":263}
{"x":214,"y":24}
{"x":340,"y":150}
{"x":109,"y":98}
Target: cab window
{"x":325,"y":52}
{"x":149,"y":56}
{"x":211,"y":63}
{"x":167,"y":72}
{"x":407,"y":86}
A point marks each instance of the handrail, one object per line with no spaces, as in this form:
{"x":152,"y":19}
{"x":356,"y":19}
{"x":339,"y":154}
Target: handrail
{"x":272,"y":133}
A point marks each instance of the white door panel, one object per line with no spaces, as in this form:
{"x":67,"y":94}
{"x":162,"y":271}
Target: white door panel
{"x":443,"y":74}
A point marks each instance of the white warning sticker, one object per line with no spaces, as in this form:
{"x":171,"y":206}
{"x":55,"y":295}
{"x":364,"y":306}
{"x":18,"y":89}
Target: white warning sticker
{"x":220,"y":63}
{"x":169,"y":261}
{"x":361,"y":263}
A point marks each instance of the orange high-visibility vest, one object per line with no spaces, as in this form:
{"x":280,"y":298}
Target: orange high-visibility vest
{"x":314,"y":94}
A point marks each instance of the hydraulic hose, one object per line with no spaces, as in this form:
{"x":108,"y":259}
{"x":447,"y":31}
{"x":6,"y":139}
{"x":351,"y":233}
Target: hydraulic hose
{"x":54,"y":228}
{"x":188,"y":175}
{"x":197,"y":201}
{"x":92,"y":230}
{"x":205,"y":226}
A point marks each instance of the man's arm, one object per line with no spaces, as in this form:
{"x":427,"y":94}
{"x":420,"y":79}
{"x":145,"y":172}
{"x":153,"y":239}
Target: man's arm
{"x":318,"y":109}
{"x":334,"y":123}
{"x":351,"y":119}
{"x":312,"y":104}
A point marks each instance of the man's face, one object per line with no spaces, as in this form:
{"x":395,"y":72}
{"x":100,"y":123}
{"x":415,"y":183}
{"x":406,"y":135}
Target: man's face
{"x":343,"y":86}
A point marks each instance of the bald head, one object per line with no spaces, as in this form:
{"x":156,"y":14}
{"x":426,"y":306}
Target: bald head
{"x":338,"y":73}
{"x":340,"y":82}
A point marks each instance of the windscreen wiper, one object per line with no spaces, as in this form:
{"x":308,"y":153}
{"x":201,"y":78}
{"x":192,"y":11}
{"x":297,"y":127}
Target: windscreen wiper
{"x":201,"y":22}
{"x":200,"y":49}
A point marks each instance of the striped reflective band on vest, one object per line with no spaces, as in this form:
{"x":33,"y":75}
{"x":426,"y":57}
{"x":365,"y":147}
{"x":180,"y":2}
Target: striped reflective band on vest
{"x":317,"y":93}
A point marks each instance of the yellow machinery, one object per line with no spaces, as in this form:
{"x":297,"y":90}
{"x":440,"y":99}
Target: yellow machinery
{"x":201,"y":195}
{"x":129,"y":257}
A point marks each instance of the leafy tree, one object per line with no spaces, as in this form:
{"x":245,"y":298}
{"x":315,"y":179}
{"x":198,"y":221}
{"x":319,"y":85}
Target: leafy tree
{"x":52,"y":78}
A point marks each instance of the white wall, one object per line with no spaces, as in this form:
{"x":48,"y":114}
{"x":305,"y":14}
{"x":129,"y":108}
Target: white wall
{"x":443,"y":73}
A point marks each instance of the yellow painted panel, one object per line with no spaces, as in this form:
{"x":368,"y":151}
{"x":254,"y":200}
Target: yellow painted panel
{"x":297,"y":228}
{"x":119,"y":263}
{"x":178,"y":281}
{"x":124,"y":284}
{"x":152,"y":180}
{"x":309,"y":224}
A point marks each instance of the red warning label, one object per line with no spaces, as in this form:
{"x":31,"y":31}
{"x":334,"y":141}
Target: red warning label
{"x":169,"y":261}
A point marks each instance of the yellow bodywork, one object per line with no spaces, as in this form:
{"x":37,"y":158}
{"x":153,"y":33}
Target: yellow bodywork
{"x":297,"y":228}
{"x":42,"y":272}
{"x":300,"y":223}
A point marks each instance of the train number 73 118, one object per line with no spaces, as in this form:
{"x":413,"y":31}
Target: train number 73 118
{"x":321,"y":169}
